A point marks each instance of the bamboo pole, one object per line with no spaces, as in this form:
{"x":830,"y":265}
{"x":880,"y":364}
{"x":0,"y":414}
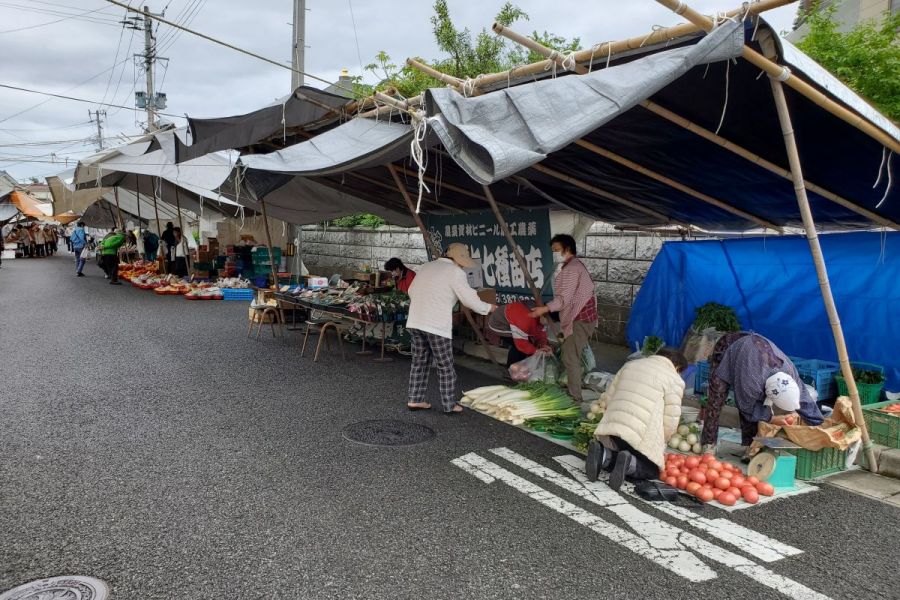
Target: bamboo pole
{"x":265,"y":216}
{"x":118,"y":208}
{"x":403,"y":105}
{"x":608,"y":49}
{"x":489,"y":196}
{"x":784,"y":74}
{"x":765,"y":164}
{"x":384,"y":110}
{"x":388,"y":186}
{"x":137,"y":193}
{"x":435,"y":74}
{"x":159,"y":235}
{"x":435,"y":252}
{"x":790,"y":143}
{"x":678,"y":186}
{"x":604,"y":194}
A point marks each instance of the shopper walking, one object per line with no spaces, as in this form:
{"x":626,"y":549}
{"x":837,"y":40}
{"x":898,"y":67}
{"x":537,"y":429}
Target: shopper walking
{"x":168,"y":238}
{"x":438,"y":286}
{"x":78,"y":243}
{"x":573,"y":298}
{"x":109,"y":255}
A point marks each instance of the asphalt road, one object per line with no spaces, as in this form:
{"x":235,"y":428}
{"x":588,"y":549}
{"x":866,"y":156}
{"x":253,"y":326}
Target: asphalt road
{"x":146,"y":441}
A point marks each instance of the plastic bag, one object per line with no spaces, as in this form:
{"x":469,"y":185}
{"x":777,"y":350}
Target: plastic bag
{"x":588,"y":360}
{"x":598,"y":381}
{"x":698,"y":345}
{"x":534,"y":368}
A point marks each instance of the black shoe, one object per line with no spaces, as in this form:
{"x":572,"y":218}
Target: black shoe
{"x":79,"y":274}
{"x":620,"y":470}
{"x":115,"y":283}
{"x":594,"y":460}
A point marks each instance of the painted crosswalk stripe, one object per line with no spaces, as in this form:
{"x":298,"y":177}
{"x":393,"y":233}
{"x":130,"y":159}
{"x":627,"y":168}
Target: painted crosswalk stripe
{"x":681,"y":562}
{"x":654,"y":532}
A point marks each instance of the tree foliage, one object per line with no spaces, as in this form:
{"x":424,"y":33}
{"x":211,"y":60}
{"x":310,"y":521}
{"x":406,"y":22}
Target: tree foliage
{"x":866,"y":58}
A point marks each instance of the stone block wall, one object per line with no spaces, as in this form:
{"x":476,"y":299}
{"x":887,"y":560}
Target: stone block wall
{"x":618,"y":261}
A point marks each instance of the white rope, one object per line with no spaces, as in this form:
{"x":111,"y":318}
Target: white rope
{"x":568,"y":62}
{"x":725,"y":105}
{"x":468,"y":87}
{"x":418,"y":154}
{"x":784,"y":75}
{"x":890,"y":182}
{"x":241,"y":211}
{"x":880,"y":167}
{"x":283,"y":124}
{"x":680,"y":8}
{"x":651,"y":34}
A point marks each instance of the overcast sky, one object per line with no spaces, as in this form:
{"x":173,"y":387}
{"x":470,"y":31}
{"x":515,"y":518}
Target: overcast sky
{"x":90,"y":56}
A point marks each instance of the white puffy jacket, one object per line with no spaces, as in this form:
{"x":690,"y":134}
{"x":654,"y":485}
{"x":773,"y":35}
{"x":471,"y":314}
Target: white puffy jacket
{"x":643,"y":406}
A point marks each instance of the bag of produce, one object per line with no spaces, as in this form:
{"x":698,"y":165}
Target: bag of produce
{"x":534,"y":368}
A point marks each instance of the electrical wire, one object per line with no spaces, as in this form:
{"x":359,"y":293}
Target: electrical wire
{"x":112,"y":73}
{"x":356,"y":36}
{"x":81,"y":16}
{"x":72,"y":98}
{"x":51,"y":22}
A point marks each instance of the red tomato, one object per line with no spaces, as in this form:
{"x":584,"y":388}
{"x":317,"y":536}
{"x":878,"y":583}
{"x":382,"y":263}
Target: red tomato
{"x":662,"y":475}
{"x":698,"y":476}
{"x":692,"y":462}
{"x":670,"y":480}
{"x":716,"y":493}
{"x":692,"y":487}
{"x":734,"y":492}
{"x":708,"y":458}
{"x":726,"y":474}
{"x":673,"y":472}
{"x":751,"y":496}
{"x":727,"y":499}
{"x":712,"y":474}
{"x":752,"y":480}
{"x":722,"y":483}
{"x":705,"y":494}
{"x":738,"y":480}
{"x":714,"y":464}
{"x":765,"y":489}
{"x":681,"y":482}
{"x":789,"y":420}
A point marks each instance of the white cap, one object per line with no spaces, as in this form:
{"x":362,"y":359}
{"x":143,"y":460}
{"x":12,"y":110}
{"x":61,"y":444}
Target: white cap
{"x":783,"y":392}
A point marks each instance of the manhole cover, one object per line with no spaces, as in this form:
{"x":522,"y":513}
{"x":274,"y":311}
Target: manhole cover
{"x":387,"y":433}
{"x":67,"y":587}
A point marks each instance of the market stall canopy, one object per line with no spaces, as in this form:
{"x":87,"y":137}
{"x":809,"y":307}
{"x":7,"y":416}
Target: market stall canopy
{"x":66,"y":217}
{"x":80,"y":201}
{"x":630,"y":130}
{"x":305,"y":107}
{"x":27,"y":204}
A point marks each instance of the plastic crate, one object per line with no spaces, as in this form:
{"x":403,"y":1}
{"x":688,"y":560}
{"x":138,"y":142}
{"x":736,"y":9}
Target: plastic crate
{"x":869,"y":393}
{"x":237,"y":294}
{"x":813,"y":465}
{"x":820,"y":375}
{"x":702,"y":376}
{"x":263,"y":252}
{"x":884,"y":428}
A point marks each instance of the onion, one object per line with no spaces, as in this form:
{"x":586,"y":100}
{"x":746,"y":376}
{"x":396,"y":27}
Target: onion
{"x":675,"y":441}
{"x":697,"y":448}
{"x":691,"y":439}
{"x":683,"y":430}
{"x":684,"y":446}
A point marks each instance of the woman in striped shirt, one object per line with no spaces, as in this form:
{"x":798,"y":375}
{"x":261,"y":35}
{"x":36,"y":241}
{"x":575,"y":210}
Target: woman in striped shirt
{"x":574,"y":300}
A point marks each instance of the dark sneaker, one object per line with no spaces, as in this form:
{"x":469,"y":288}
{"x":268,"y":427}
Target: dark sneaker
{"x":594,"y":460}
{"x":620,"y":470}
{"x":79,"y":274}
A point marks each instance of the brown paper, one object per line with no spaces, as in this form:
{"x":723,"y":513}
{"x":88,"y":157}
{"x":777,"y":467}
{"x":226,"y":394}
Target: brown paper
{"x":837,"y":431}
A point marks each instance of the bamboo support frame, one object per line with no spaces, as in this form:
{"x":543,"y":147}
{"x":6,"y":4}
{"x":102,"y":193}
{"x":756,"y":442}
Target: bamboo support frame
{"x":678,"y":186}
{"x":790,"y":142}
{"x":608,"y":49}
{"x":118,"y":209}
{"x":262,"y":205}
{"x":432,"y":249}
{"x":159,"y":233}
{"x":413,"y":102}
{"x":765,"y":164}
{"x":181,"y":227}
{"x":435,"y":74}
{"x":781,"y":73}
{"x":604,"y":194}
{"x":489,"y":196}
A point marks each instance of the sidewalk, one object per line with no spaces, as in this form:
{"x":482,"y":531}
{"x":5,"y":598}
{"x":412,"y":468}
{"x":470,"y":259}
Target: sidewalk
{"x":860,"y":481}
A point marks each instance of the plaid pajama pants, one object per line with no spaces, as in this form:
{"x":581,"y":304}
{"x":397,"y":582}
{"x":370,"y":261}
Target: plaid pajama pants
{"x":428,"y":348}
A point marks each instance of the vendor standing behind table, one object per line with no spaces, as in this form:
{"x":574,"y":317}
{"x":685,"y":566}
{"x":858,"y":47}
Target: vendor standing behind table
{"x":438,"y":286}
{"x":180,"y":253}
{"x":403,"y":275}
{"x":763,"y":378}
{"x":573,"y":298}
{"x":168,"y":238}
{"x":527,"y":333}
{"x":643,"y":409}
{"x":151,"y":245}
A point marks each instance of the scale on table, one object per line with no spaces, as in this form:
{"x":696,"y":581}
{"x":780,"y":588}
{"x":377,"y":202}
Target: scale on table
{"x":773,"y":464}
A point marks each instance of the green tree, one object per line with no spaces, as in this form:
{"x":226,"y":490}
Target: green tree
{"x":866,"y":58}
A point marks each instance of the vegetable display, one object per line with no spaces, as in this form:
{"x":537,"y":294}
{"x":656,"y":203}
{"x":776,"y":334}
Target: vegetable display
{"x":652,"y":344}
{"x":717,"y":316}
{"x":526,"y":404}
{"x":867,"y":377}
{"x":686,"y":439}
{"x":708,"y":479}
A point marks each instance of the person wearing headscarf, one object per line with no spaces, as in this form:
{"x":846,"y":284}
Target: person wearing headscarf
{"x":766,"y":384}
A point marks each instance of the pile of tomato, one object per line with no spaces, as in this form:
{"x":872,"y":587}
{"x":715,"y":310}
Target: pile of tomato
{"x":708,"y":479}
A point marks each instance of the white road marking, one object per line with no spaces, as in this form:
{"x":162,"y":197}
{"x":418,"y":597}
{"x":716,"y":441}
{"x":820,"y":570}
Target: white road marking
{"x":459,"y":462}
{"x":748,"y":541}
{"x":681,"y":562}
{"x":657,"y":540}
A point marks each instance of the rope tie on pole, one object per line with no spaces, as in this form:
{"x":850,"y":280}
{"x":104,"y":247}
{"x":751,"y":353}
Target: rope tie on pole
{"x":890,"y":181}
{"x":725,"y":105}
{"x":649,"y":35}
{"x":784,"y":75}
{"x":417,"y":152}
{"x":283,"y":123}
{"x":680,"y":8}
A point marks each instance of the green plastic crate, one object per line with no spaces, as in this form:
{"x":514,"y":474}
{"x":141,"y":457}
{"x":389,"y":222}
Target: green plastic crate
{"x":884,"y":428}
{"x":869,"y":393}
{"x":812,"y":465}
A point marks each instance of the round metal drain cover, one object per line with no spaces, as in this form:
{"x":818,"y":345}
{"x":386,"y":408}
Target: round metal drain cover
{"x":387,"y":433}
{"x":67,"y":587}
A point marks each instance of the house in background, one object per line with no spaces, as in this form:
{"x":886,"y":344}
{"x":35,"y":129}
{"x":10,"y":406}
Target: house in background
{"x":848,"y":13}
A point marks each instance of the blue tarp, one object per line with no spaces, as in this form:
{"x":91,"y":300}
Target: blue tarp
{"x":771,"y":283}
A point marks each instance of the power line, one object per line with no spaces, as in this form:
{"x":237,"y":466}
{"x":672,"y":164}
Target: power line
{"x":232,"y":47}
{"x":51,"y":22}
{"x":63,"y":97}
{"x":81,"y":16}
{"x":356,"y":36}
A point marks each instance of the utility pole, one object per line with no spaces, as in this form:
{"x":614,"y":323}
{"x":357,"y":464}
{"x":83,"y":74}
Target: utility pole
{"x":98,"y":115}
{"x":298,"y":54}
{"x":149,"y":59}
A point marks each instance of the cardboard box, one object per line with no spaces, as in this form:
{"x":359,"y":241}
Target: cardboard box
{"x":488,"y":295}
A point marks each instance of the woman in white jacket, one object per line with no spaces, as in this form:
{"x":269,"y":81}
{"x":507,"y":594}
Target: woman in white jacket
{"x":643,"y":409}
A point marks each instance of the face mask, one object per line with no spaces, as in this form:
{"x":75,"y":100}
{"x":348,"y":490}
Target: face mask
{"x":558,"y":258}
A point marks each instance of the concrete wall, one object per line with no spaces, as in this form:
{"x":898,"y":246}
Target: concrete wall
{"x":618,"y":261}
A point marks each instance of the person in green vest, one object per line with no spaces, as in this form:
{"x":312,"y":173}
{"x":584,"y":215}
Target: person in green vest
{"x":109,"y":255}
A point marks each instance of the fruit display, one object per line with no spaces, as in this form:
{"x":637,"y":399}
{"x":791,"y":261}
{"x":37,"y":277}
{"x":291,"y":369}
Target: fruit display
{"x":686,"y":439}
{"x":710,"y":480}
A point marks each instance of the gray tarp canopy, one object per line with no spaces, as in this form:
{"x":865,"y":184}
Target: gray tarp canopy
{"x":8,"y":210}
{"x":522,"y":140}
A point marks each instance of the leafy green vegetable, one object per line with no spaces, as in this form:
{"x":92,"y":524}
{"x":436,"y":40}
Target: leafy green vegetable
{"x":867,"y":377}
{"x":717,"y":316}
{"x":652,"y":344}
